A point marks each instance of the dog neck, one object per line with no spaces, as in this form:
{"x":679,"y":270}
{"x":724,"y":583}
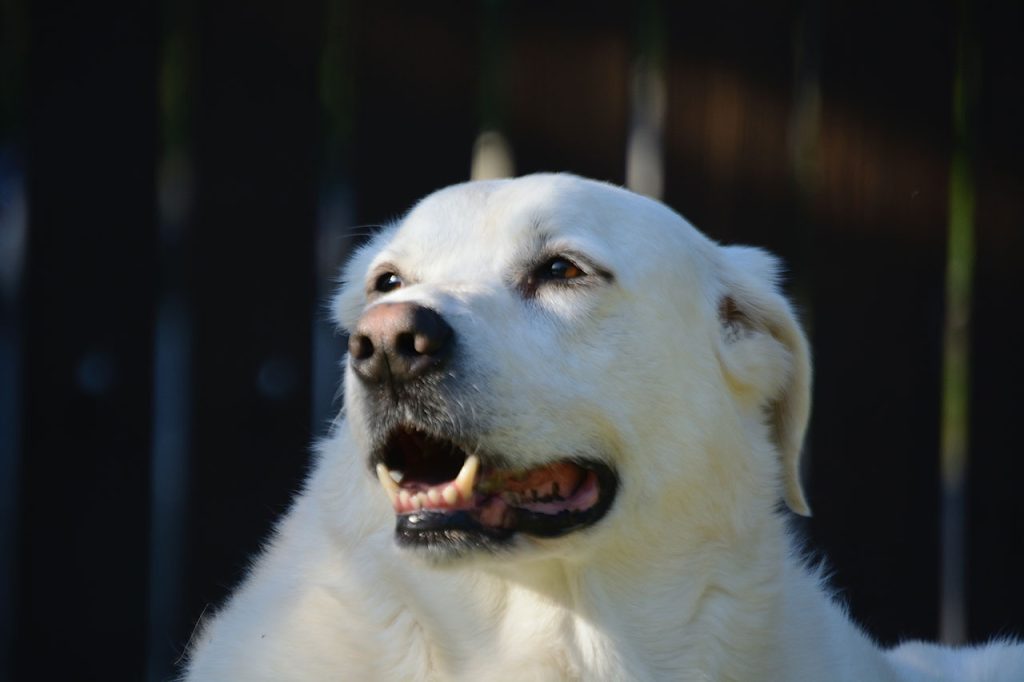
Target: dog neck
{"x":631,"y":613}
{"x":646,"y":608}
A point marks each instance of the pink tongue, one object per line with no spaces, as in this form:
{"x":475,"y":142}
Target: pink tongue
{"x":494,"y":510}
{"x":493,"y":513}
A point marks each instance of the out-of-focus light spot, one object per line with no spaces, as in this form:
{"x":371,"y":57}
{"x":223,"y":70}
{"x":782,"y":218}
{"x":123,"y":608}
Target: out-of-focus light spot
{"x":13,"y":225}
{"x":96,"y":373}
{"x":277,"y":378}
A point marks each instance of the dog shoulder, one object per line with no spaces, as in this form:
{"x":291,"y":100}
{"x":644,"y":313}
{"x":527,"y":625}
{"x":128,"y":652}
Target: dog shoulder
{"x":306,"y":607}
{"x":997,"y":661}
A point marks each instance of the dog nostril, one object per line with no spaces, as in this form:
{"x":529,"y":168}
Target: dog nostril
{"x":427,"y":344}
{"x":405,"y":344}
{"x":431,"y":334}
{"x":399,"y":342}
{"x":360,"y":347}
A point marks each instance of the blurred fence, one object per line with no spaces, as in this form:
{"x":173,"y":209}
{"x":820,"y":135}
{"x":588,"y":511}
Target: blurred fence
{"x":179,"y":182}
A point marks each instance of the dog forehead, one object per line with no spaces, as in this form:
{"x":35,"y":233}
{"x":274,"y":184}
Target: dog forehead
{"x":485,"y":225}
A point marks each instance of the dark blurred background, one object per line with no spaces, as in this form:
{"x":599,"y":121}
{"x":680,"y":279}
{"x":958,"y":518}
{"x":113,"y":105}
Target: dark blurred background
{"x":180,"y":180}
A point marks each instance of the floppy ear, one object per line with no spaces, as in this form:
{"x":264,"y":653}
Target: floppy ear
{"x":765,"y":356}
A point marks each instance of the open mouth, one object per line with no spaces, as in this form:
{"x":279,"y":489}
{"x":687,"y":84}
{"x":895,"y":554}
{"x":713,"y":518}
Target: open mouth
{"x":443,"y":494}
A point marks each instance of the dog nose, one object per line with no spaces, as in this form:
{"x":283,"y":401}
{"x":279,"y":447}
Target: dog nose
{"x":398,"y":342}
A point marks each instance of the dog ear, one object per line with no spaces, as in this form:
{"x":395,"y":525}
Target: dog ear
{"x":765,"y":355}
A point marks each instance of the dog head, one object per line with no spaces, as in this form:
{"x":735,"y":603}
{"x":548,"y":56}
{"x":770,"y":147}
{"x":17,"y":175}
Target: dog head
{"x":554,"y":364}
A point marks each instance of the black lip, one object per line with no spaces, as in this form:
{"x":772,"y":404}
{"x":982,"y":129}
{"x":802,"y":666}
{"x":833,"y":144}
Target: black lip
{"x":447,"y":535}
{"x":453,"y":533}
{"x":432,"y":526}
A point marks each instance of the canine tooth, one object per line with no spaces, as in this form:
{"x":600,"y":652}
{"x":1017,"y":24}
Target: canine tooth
{"x":467,"y":476}
{"x":404,"y":500}
{"x":450,"y":494}
{"x":434,"y":496}
{"x":396,"y":476}
{"x":385,"y":480}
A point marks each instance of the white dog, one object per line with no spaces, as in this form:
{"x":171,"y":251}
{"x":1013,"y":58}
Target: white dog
{"x":569,"y":420}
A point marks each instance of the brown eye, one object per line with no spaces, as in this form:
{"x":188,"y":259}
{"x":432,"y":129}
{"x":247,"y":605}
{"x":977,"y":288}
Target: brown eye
{"x":386,"y":282}
{"x":559,"y":268}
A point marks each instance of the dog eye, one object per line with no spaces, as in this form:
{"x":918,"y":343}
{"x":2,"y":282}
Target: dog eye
{"x":386,"y":282}
{"x":559,"y":268}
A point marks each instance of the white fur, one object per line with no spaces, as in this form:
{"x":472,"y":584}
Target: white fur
{"x":688,"y":372}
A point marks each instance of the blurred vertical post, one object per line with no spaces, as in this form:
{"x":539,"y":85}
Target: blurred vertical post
{"x":956,"y":343}
{"x":995,"y":469}
{"x":336,"y":208}
{"x":492,"y":155}
{"x":250,"y":284}
{"x":91,"y":116}
{"x":645,"y":164}
{"x":803,"y":137}
{"x":13,"y":227}
{"x":878,"y":176}
{"x":804,"y":133}
{"x":172,"y":342}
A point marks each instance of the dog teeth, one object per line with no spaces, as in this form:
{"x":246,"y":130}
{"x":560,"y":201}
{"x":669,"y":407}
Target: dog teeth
{"x":435,"y":497}
{"x":467,"y":477}
{"x":390,"y":486}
